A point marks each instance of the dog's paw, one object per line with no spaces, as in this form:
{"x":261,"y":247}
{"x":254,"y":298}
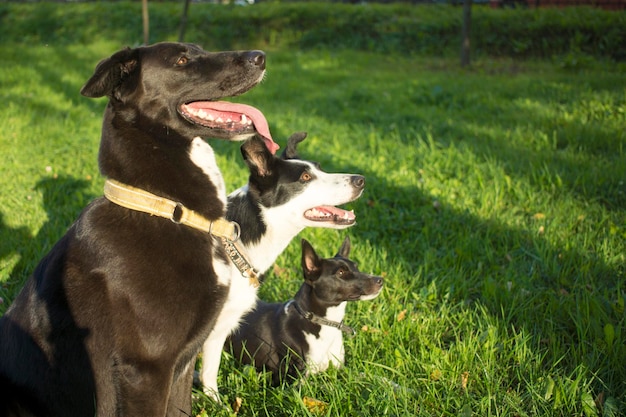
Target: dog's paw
{"x":212,"y":393}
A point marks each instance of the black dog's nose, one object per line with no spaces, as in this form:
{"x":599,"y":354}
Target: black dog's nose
{"x":256,"y":58}
{"x":357,"y":181}
{"x":379,"y":281}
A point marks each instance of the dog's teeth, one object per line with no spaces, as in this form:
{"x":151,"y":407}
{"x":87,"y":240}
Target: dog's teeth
{"x":219,"y":120}
{"x":210,"y":117}
{"x":245,"y":121}
{"x":202,"y":114}
{"x":229,"y":120}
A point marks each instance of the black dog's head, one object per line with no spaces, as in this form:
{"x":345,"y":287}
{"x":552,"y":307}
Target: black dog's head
{"x":338,"y":279}
{"x":175,"y":87}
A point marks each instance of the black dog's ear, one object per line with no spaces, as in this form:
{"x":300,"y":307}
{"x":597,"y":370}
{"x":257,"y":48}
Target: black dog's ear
{"x":311,"y":263}
{"x":344,"y":250}
{"x":110,"y":73}
{"x":290,"y":151}
{"x":257,"y":156}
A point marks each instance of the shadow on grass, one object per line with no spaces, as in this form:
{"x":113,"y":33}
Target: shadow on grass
{"x":12,"y":241}
{"x":63,"y":199}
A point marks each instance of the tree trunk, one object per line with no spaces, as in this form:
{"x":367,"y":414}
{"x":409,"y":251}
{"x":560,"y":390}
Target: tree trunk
{"x":183,"y":22}
{"x":146,"y":22}
{"x":465,"y":43}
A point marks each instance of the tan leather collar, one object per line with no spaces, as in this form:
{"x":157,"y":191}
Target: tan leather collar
{"x":144,"y":201}
{"x":140,"y":200}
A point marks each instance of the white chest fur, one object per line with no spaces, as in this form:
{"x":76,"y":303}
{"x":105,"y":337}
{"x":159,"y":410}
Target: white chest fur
{"x":202,"y":155}
{"x":328,"y":347}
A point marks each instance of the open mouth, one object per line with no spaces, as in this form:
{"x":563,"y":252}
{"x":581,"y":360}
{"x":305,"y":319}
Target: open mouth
{"x":330,"y":214}
{"x":230,"y":120}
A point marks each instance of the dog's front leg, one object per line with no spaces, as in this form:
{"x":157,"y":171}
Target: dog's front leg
{"x":240,"y":299}
{"x":211,"y":357}
{"x":179,"y":403}
{"x":144,"y":389}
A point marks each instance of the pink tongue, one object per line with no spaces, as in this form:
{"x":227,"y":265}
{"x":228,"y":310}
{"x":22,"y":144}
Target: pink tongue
{"x":260,"y":123}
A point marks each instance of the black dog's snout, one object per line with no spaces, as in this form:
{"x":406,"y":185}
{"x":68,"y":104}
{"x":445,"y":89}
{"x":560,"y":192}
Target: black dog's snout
{"x":257,"y":58}
{"x":357,"y":181}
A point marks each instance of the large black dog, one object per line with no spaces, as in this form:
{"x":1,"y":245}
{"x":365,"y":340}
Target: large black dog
{"x":112,"y":319}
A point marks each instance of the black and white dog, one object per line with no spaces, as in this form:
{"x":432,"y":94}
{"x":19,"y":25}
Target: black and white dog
{"x":283,"y":196}
{"x":113,"y":317}
{"x":305,"y":334}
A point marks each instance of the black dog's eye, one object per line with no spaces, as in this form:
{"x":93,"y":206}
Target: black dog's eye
{"x":342,"y":272}
{"x":183,"y":60}
{"x":306,"y":177}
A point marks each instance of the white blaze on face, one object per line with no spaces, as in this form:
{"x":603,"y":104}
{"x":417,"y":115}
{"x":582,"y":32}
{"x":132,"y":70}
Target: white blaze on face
{"x":369,"y":296}
{"x":318,"y":199}
{"x":285,"y":221}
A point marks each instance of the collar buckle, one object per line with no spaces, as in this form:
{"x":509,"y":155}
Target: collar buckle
{"x":177,"y":213}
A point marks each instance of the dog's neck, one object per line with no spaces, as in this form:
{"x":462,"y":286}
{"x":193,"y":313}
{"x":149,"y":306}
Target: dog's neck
{"x":308,"y":307}
{"x":308,"y":301}
{"x":263,"y":237}
{"x":184,"y":170}
{"x":264,"y":253}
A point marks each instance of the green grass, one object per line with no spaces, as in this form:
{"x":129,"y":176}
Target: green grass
{"x":494,"y":207}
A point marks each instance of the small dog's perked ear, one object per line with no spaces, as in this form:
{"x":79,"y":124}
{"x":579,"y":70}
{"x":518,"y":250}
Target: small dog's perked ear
{"x":257,"y":156}
{"x":344,"y":250}
{"x":110,"y":73}
{"x":290,"y":151}
{"x":311,"y":263}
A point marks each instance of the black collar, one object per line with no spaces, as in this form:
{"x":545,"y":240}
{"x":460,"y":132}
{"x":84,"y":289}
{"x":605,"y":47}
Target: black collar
{"x":314,"y":318}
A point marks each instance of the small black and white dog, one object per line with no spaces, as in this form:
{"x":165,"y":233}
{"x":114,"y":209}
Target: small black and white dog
{"x":305,"y":334}
{"x":283,"y":196}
